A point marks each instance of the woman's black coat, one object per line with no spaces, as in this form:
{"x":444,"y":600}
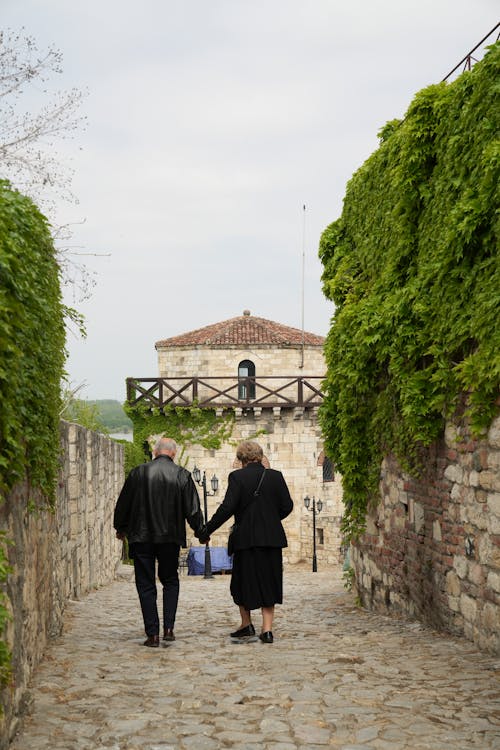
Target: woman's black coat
{"x":258,"y":519}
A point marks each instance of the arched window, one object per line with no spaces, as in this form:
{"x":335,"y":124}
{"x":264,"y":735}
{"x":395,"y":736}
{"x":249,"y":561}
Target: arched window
{"x":246,"y":387}
{"x":327,"y":466}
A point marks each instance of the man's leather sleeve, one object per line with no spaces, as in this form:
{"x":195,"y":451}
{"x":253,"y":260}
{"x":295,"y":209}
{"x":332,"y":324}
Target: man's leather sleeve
{"x":124,"y":504}
{"x":192,"y":510}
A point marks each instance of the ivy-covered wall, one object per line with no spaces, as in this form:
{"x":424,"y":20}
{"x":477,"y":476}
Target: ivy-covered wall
{"x":32,"y":354}
{"x":413,"y":268}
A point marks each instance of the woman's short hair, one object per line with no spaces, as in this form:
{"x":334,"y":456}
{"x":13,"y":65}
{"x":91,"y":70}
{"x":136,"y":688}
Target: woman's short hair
{"x":248,"y":451}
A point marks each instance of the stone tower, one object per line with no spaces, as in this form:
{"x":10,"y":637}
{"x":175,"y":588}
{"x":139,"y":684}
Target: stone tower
{"x":269,"y":376}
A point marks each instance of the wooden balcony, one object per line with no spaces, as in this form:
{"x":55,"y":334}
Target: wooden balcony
{"x":283,"y":392}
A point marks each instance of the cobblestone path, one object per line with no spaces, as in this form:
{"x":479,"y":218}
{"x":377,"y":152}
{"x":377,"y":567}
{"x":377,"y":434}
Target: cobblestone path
{"x":336,"y":676}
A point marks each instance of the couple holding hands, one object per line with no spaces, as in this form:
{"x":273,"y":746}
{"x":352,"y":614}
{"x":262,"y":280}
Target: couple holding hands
{"x":157,"y":499}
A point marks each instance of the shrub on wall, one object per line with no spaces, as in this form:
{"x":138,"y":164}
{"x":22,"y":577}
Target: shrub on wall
{"x":186,"y":425}
{"x":32,"y":341}
{"x":413,"y":268}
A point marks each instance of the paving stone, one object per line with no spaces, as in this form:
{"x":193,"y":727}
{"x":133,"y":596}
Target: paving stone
{"x":350,"y":679}
{"x":368,"y":733}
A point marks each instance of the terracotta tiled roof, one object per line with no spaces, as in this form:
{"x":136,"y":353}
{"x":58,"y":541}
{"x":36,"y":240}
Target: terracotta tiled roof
{"x":245,"y":329}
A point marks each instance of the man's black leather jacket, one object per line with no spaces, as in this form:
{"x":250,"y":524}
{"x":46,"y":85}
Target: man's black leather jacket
{"x":156,"y":501}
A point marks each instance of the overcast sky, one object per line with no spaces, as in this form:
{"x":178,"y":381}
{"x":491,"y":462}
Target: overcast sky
{"x":210,"y":124}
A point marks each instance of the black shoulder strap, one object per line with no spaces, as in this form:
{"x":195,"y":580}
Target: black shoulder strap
{"x":257,"y":491}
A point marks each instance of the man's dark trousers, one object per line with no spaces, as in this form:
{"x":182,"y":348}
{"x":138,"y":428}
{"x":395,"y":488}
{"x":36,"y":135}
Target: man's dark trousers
{"x":145,"y":555}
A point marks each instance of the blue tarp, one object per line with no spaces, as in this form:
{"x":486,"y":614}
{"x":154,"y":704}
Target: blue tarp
{"x":219,"y":560}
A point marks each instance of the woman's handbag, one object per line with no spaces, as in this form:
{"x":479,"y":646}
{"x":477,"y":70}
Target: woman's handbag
{"x":234,"y":527}
{"x":230,"y":539}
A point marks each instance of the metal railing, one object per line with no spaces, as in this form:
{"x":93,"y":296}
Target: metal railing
{"x":286,"y":392}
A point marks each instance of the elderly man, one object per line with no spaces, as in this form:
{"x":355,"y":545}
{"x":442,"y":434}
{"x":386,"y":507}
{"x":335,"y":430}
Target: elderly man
{"x":156,"y":501}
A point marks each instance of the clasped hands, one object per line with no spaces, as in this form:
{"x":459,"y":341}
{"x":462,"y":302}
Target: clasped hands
{"x":202,"y":535}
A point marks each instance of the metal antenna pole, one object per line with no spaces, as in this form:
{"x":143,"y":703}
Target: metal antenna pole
{"x":303,"y":282}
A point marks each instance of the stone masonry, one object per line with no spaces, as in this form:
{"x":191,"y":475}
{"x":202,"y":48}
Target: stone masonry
{"x":293,"y":446}
{"x":432,"y":546}
{"x":57,"y":554}
{"x":290,"y":436}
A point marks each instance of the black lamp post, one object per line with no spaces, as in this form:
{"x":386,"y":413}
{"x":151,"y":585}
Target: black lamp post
{"x":214,"y":483}
{"x":316,"y":506}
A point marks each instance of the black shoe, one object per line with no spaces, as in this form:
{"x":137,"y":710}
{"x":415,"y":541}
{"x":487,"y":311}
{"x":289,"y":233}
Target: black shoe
{"x":266,"y":637}
{"x":153,"y":641}
{"x":244,"y":632}
{"x":169,"y":634}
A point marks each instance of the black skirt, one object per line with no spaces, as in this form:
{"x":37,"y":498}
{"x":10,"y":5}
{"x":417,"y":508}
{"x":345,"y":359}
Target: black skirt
{"x":257,"y":577}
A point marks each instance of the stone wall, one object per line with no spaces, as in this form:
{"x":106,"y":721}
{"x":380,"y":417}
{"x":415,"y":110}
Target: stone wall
{"x":269,"y":360}
{"x":58,"y":554}
{"x":291,"y":438}
{"x":292,"y":443}
{"x":432,"y":547}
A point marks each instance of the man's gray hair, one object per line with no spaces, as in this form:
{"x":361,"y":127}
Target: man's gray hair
{"x":165,"y":445}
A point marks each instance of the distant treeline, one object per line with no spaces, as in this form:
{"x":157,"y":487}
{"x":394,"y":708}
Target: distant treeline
{"x":102,"y":415}
{"x":112,"y":416}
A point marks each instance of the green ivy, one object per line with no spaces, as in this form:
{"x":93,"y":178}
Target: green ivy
{"x":185,"y":425}
{"x":412,"y":266}
{"x":32,"y":346}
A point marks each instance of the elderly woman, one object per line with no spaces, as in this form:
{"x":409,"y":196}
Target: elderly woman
{"x":259,"y":499}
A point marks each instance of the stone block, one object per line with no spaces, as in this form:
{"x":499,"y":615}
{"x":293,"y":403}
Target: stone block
{"x":476,"y":573}
{"x":484,"y":550}
{"x":493,"y":502}
{"x":454,"y":473}
{"x":374,"y":570}
{"x":450,"y":434}
{"x":473,"y":479}
{"x":494,"y":460}
{"x":419,"y":514}
{"x":453,"y":587}
{"x":494,"y":525}
{"x":475,"y":515}
{"x":493,"y":581}
{"x":461,"y":566}
{"x":399,"y":522}
{"x":468,"y":608}
{"x":494,"y":434}
{"x":489,"y":480}
{"x":436,"y":531}
{"x":491,"y":617}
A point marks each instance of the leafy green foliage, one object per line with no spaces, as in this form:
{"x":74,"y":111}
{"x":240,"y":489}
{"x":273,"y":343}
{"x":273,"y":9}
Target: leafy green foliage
{"x":82,"y":412}
{"x":32,"y":341}
{"x":413,"y":268}
{"x":186,"y":425}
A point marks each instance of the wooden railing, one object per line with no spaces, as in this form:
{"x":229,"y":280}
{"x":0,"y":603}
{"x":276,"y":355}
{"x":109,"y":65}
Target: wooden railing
{"x":285,"y":392}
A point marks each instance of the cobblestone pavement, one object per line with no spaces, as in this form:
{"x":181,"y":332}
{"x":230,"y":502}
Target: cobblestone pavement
{"x":335,"y":676}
